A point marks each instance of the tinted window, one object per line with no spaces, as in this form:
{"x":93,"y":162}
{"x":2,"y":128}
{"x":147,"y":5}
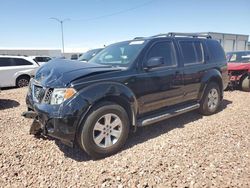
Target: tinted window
{"x":216,"y":51}
{"x":199,"y":51}
{"x":165,"y":50}
{"x":74,"y":56}
{"x":192,"y":52}
{"x":19,"y":62}
{"x":39,"y":59}
{"x":46,"y":59}
{"x":89,"y":54}
{"x":42,"y":59}
{"x":4,"y":62}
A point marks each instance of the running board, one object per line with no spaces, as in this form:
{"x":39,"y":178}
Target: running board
{"x":167,"y":114}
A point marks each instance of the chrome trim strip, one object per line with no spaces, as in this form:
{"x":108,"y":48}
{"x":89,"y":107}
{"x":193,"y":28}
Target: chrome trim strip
{"x":169,"y":115}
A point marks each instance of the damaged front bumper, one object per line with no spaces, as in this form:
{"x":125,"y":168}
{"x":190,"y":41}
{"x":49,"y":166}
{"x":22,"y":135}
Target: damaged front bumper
{"x":35,"y":127}
{"x":57,"y":121}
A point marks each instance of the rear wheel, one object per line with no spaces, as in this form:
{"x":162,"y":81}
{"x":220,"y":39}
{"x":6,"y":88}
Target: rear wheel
{"x":245,"y":84}
{"x":211,"y":99}
{"x":105,"y":130}
{"x":22,"y":81}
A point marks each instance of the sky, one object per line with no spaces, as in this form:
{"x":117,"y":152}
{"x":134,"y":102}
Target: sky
{"x":25,"y":24}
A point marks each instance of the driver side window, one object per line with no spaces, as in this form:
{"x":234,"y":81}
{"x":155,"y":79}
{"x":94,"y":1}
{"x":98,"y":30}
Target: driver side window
{"x":163,"y":50}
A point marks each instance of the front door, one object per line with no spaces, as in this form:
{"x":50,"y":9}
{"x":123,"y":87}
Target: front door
{"x":161,"y":86}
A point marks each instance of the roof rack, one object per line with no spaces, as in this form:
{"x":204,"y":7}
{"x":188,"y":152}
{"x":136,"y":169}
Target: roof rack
{"x":138,"y":38}
{"x":194,"y":35}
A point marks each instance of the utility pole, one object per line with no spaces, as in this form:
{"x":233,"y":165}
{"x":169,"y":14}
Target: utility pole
{"x":61,"y":23}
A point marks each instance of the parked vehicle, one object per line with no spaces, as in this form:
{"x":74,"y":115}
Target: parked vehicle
{"x":239,"y":69}
{"x":75,"y":56}
{"x":89,"y":54}
{"x":41,"y":60}
{"x":16,"y":70}
{"x":127,"y":85}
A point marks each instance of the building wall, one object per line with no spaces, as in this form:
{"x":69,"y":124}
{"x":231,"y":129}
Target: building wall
{"x":231,"y":42}
{"x":31,"y":52}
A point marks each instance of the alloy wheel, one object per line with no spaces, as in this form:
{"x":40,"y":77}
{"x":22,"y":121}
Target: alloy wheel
{"x":107,"y":130}
{"x":213,"y":99}
{"x":23,"y":83}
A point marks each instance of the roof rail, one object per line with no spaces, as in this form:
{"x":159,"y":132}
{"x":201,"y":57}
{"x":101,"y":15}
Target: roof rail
{"x":194,"y":35}
{"x":138,"y":38}
{"x":161,"y":35}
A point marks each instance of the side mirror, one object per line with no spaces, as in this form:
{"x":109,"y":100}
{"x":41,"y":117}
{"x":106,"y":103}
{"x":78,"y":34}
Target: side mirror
{"x":154,"y":62}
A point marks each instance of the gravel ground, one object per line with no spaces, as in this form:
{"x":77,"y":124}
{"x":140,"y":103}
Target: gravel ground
{"x":186,"y":151}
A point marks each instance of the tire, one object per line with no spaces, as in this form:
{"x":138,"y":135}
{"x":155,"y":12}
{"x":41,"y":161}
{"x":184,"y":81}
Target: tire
{"x":22,"y":81}
{"x":211,"y":99}
{"x":97,"y":137}
{"x":245,"y":84}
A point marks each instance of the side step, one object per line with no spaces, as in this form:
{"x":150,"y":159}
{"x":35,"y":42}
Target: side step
{"x":167,"y":114}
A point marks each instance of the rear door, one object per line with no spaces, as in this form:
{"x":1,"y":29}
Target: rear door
{"x":160,"y":86}
{"x":193,"y":58}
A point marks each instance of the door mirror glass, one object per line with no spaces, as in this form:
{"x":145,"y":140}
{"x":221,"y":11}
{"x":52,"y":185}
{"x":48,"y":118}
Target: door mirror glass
{"x":154,"y":62}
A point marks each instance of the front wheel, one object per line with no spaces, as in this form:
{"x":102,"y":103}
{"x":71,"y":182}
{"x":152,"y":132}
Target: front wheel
{"x":245,"y":84}
{"x":211,"y":99}
{"x":105,"y":130}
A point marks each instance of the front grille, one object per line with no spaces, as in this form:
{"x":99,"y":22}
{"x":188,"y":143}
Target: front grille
{"x":48,"y":96}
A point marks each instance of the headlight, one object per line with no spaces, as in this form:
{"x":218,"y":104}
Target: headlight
{"x":62,"y":94}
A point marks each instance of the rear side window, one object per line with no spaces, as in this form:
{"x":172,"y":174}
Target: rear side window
{"x":164,"y":49}
{"x":42,"y":59}
{"x":192,"y":52}
{"x":39,"y":59}
{"x":20,"y":62}
{"x":215,"y":50}
{"x":4,"y":62}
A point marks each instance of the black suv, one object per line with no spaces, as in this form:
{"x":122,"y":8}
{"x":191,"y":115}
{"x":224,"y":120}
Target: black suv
{"x":127,"y":85}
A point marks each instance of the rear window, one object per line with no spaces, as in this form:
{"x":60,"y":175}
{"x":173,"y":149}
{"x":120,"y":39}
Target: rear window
{"x":215,"y":50}
{"x":192,"y":52}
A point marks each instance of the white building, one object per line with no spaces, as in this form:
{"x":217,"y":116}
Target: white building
{"x":230,"y":42}
{"x":32,"y":52}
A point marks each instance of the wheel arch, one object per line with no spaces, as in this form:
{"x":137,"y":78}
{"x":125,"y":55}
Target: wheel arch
{"x":108,"y":92}
{"x":213,"y":75}
{"x":123,"y":102}
{"x":22,"y":76}
{"x":244,"y":75}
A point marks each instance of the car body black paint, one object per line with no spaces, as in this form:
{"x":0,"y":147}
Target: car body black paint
{"x":144,"y":91}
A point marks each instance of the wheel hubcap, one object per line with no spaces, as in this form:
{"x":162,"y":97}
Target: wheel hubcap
{"x":213,"y":99}
{"x":23,"y":83}
{"x":107,"y":130}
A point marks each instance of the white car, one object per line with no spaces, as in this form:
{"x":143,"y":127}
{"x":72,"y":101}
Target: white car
{"x":41,"y":60}
{"x":16,"y":70}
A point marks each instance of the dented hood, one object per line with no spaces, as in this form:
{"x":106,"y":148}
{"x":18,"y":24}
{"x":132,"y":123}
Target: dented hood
{"x":238,"y":66}
{"x":60,"y":72}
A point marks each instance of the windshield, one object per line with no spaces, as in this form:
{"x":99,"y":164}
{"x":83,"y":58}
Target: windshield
{"x":238,"y":57}
{"x":120,"y":54}
{"x":89,"y":54}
